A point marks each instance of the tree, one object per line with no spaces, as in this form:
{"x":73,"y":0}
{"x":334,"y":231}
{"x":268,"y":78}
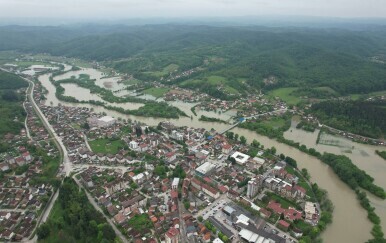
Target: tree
{"x":236,"y":137}
{"x":43,"y":231}
{"x":273,"y":150}
{"x":86,"y":126}
{"x":10,"y":96}
{"x":243,"y":140}
{"x":229,"y":135}
{"x":200,"y":218}
{"x":187,"y":205}
{"x":255,"y":143}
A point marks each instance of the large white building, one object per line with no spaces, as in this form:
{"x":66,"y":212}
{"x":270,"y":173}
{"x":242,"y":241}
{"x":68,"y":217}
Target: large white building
{"x":240,"y":158}
{"x":205,"y":169}
{"x":175,"y":183}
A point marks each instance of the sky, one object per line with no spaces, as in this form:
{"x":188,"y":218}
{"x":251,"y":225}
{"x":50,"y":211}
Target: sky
{"x":114,"y":9}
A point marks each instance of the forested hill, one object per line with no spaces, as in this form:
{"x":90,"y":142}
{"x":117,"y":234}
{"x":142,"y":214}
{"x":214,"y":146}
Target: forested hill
{"x":11,"y":81}
{"x":337,"y":58}
{"x":366,"y":118}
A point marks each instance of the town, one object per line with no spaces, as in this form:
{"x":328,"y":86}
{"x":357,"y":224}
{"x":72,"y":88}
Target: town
{"x":163,"y":183}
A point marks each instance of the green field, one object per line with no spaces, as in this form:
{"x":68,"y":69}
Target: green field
{"x":131,"y":81}
{"x":214,"y":80}
{"x":106,"y":146}
{"x":26,"y":64}
{"x":372,"y":94}
{"x":156,"y":92}
{"x":275,"y":122}
{"x":165,"y":71}
{"x":286,"y":95}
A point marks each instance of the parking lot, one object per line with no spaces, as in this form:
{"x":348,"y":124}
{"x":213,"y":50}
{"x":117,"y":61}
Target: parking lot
{"x":214,"y":207}
{"x":272,"y":229}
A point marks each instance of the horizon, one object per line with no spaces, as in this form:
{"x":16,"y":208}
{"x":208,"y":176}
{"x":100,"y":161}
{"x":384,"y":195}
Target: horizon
{"x":262,"y":20}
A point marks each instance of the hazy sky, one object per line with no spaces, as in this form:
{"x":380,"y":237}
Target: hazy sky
{"x":193,"y":8}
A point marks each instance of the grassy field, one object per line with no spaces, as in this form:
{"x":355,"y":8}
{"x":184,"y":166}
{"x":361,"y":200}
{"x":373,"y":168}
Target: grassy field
{"x":285,"y":95}
{"x":26,"y":64}
{"x":168,"y":69}
{"x":106,"y":146}
{"x":131,"y":81}
{"x":156,"y":92}
{"x":372,"y":94}
{"x":275,"y":122}
{"x":214,"y":80}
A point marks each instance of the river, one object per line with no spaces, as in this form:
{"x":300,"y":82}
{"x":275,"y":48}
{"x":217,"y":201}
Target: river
{"x":350,"y":222}
{"x":362,"y":155}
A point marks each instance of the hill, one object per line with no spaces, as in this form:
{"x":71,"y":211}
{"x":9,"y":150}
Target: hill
{"x":247,"y":58}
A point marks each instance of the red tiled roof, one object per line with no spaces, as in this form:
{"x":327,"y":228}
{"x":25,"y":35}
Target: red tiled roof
{"x":284,"y":223}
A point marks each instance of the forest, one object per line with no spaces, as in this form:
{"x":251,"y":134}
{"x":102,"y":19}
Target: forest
{"x":11,"y":108}
{"x":74,"y":219}
{"x":11,"y":81}
{"x":339,"y":59}
{"x":365,"y":118}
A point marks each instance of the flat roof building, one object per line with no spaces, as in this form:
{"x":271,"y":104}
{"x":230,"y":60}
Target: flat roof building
{"x":205,"y":169}
{"x":240,"y":158}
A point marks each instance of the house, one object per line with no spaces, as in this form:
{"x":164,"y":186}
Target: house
{"x":83,"y":153}
{"x":283,"y":225}
{"x":143,"y":147}
{"x":110,"y":158}
{"x":20,"y":161}
{"x":120,"y":218}
{"x":7,"y":234}
{"x":170,"y":157}
{"x":133,"y":145}
{"x":92,"y":155}
{"x":4,"y":167}
{"x":141,"y":177}
{"x":172,"y":235}
{"x":175,"y":183}
{"x":210,"y":191}
{"x":101,"y":157}
{"x":120,"y":159}
{"x":27,"y":157}
{"x":226,"y":149}
{"x":114,"y":186}
{"x":310,"y":211}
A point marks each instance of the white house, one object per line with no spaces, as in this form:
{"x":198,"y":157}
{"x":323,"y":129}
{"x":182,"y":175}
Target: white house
{"x":133,"y":145}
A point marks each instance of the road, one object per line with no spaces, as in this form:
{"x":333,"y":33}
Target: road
{"x":26,"y":117}
{"x":61,"y":147}
{"x":96,"y":206}
{"x":182,"y":222}
{"x":86,"y":142}
{"x":47,"y":125}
